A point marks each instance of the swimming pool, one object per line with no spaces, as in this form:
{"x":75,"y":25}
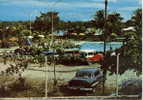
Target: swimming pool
{"x":99,"y":46}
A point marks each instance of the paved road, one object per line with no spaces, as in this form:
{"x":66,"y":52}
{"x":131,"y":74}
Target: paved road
{"x":67,"y":99}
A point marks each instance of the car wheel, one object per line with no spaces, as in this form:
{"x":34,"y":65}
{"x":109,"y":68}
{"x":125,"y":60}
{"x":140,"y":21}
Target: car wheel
{"x":90,"y":63}
{"x":93,"y":90}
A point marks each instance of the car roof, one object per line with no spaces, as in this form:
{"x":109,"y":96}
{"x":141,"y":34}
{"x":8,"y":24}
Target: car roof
{"x":92,"y":70}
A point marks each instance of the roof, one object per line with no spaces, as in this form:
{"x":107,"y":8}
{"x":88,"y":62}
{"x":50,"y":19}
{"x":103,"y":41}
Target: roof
{"x":42,"y":36}
{"x":71,"y":49}
{"x":13,"y":39}
{"x":49,"y":52}
{"x":129,"y":29}
{"x":30,"y":37}
{"x":87,"y":50}
{"x":89,"y":70}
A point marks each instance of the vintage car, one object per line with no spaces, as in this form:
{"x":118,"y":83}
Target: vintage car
{"x":86,"y":80}
{"x":96,"y":58}
{"x":87,"y":53}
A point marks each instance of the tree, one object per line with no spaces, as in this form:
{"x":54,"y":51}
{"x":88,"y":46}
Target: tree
{"x":131,"y":53}
{"x":25,"y":32}
{"x":98,"y":19}
{"x":9,"y":29}
{"x":44,"y":22}
{"x":134,"y":45}
{"x":114,"y":23}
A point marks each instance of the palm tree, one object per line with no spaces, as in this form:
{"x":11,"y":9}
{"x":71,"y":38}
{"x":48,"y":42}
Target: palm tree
{"x":99,"y":19}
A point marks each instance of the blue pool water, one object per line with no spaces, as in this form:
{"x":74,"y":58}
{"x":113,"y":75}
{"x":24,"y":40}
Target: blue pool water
{"x":99,"y":46}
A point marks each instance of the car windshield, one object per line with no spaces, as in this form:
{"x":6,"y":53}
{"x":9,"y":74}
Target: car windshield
{"x":83,"y":74}
{"x":91,"y":53}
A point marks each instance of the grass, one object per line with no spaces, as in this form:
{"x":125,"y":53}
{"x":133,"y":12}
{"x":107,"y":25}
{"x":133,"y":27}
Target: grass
{"x":11,"y":87}
{"x":129,"y":74}
{"x":36,"y":87}
{"x":35,"y":82}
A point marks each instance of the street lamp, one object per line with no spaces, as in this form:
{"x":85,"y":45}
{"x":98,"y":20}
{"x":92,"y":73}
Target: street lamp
{"x":117,"y":71}
{"x":51,"y":44}
{"x":30,"y":19}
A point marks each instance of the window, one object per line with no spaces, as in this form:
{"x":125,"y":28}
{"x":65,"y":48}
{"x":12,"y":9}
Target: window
{"x":91,"y":53}
{"x":96,"y":73}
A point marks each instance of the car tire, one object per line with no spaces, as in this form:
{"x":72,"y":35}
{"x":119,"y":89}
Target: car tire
{"x":94,"y":90}
{"x":90,"y":63}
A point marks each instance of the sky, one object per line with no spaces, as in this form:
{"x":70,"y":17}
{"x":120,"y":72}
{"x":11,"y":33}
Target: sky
{"x":69,"y":10}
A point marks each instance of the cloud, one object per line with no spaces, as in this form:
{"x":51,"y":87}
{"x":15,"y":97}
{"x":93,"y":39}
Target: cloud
{"x":82,"y":5}
{"x":104,"y":0}
{"x":130,"y":8}
{"x":75,"y":16}
{"x":50,"y":4}
{"x":112,"y":0}
{"x":140,"y":2}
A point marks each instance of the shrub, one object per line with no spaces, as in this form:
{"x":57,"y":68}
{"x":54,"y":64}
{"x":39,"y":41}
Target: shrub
{"x":68,"y":59}
{"x":129,"y":77}
{"x":21,"y":87}
{"x":8,"y":84}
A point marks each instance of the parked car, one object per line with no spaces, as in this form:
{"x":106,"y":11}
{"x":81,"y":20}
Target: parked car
{"x":86,"y":80}
{"x":87,"y":53}
{"x":96,"y":58}
{"x":50,"y":53}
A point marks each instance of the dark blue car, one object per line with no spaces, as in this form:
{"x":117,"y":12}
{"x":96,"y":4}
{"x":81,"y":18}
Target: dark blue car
{"x":86,"y":80}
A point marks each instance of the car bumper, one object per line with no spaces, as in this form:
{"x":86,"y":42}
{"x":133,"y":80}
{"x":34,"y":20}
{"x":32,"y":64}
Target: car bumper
{"x":79,"y":88}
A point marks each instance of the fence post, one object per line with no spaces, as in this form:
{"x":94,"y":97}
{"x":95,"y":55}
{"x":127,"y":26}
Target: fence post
{"x":46,"y":81}
{"x":117,"y":72}
{"x":4,"y":58}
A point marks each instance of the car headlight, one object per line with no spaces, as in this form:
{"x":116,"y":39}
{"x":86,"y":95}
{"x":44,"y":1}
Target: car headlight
{"x":94,"y":84}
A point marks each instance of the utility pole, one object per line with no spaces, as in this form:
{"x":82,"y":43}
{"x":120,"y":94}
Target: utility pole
{"x":105,"y":23}
{"x":105,"y":30}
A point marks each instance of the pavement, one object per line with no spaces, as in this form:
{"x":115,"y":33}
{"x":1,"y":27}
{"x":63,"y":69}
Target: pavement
{"x":131,"y":97}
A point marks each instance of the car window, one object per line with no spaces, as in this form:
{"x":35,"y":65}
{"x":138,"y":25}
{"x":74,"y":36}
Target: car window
{"x":83,"y":54}
{"x":96,"y":73}
{"x":90,"y":53}
{"x":84,"y":74}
